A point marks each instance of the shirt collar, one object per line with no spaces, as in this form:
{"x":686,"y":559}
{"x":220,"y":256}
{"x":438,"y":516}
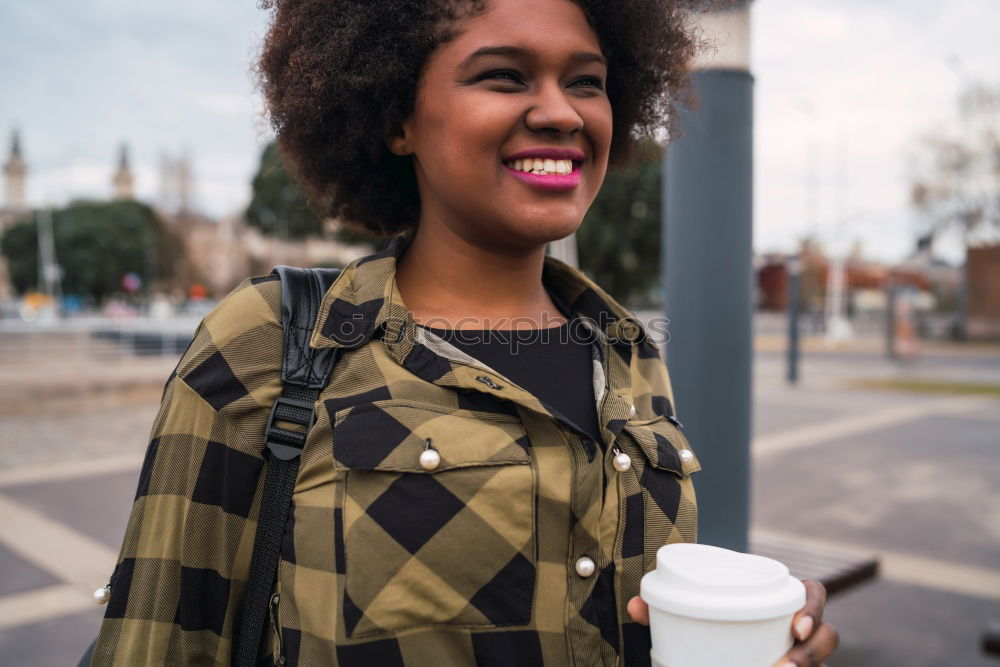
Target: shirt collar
{"x":363,"y":302}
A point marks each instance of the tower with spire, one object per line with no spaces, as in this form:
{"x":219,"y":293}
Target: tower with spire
{"x":123,"y":180}
{"x":15,"y":173}
{"x":15,"y":203}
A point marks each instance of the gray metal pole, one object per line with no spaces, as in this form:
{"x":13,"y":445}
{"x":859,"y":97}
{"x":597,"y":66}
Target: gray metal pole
{"x":708,"y":286}
{"x":890,"y":320}
{"x":48,"y":267}
{"x":793,"y":319}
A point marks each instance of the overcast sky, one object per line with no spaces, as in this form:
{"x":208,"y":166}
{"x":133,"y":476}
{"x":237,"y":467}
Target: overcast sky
{"x":842,"y":88}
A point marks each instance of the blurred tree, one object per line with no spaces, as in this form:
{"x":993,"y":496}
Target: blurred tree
{"x":619,"y":241}
{"x":955,"y":175}
{"x":96,"y":244}
{"x":279,"y":207}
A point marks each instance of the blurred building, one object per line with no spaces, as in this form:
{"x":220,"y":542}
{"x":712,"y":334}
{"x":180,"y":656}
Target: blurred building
{"x":982,"y":273}
{"x":122,"y":181}
{"x":933,"y":283}
{"x":15,"y":203}
{"x":218,"y":254}
{"x":15,"y":173}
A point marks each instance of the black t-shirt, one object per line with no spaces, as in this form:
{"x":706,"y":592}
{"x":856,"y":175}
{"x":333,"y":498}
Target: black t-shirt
{"x":554,"y":364}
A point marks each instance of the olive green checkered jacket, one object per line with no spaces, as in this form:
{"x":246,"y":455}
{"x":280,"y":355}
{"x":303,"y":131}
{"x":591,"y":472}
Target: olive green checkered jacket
{"x":385,"y":563}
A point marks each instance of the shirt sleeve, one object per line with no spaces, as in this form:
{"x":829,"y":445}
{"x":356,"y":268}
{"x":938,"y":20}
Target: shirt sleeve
{"x":178,"y":585}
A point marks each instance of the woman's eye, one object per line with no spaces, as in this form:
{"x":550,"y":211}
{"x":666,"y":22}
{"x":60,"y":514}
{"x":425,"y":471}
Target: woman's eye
{"x":589,"y":82}
{"x":503,"y":75}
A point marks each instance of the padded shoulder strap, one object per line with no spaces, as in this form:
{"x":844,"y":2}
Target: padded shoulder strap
{"x":305,"y":371}
{"x":302,"y":292}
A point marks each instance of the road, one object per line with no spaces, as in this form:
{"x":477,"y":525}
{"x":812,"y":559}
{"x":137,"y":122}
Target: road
{"x":911,"y":477}
{"x":914,"y":478}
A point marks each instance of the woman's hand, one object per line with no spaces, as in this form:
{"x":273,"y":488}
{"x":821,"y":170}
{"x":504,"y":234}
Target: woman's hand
{"x":638,"y":610}
{"x":815,"y":640}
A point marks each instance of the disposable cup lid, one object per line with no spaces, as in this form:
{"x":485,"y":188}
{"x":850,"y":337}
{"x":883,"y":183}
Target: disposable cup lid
{"x":701,"y":581}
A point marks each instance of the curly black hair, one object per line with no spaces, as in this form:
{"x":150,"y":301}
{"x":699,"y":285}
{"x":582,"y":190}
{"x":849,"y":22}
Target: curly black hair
{"x":339,"y":76}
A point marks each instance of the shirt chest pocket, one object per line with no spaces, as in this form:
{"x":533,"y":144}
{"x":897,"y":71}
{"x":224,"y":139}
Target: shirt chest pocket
{"x":660,"y":506}
{"x":445,"y":544}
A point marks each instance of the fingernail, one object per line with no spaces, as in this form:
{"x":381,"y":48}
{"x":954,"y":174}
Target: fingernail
{"x":804,"y":627}
{"x":789,"y":664}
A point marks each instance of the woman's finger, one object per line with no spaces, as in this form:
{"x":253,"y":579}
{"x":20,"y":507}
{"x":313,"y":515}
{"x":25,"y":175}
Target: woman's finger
{"x":812,"y":653}
{"x":811,"y":615}
{"x":638,"y":610}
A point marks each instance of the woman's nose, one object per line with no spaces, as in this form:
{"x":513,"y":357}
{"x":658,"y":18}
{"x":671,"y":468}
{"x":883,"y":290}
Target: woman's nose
{"x":552,"y":110}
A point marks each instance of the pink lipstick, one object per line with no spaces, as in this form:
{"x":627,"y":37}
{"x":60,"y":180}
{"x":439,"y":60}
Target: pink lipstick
{"x":556,"y":179}
{"x":548,"y":181}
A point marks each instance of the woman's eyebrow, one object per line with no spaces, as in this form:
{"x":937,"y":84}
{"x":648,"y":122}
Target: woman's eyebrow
{"x":519,"y":52}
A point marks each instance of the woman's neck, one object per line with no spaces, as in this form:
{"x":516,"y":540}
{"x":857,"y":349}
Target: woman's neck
{"x":448,"y":282}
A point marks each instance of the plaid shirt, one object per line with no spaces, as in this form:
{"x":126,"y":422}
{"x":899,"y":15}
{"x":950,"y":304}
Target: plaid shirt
{"x":386,"y":563}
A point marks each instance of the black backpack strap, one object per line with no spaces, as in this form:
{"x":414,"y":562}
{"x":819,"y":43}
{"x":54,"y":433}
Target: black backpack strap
{"x":305,"y":372}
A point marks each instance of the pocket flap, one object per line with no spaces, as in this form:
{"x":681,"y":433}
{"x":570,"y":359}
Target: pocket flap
{"x":665,"y":446}
{"x":390,"y":436}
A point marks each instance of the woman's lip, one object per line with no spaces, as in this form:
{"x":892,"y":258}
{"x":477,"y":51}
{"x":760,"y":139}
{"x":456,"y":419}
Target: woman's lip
{"x":547,"y":153}
{"x":548,"y":181}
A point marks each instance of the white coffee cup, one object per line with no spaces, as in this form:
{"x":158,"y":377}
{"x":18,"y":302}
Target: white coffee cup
{"x":710,"y":607}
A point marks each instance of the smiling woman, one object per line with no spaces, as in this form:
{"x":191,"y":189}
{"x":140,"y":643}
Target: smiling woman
{"x":495,"y":457}
{"x":341,"y":76}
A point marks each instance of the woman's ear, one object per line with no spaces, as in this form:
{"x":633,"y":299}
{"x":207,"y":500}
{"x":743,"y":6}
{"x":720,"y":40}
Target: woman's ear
{"x":399,"y":142}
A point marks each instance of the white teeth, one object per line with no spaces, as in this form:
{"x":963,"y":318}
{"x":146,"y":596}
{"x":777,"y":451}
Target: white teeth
{"x":544,"y":167}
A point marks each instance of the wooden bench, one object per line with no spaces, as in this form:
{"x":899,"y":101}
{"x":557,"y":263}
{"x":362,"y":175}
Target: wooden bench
{"x":991,"y":639}
{"x":838,"y":569}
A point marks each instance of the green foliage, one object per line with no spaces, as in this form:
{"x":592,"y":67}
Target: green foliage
{"x":96,"y":244}
{"x":278,"y":206}
{"x":619,"y":241}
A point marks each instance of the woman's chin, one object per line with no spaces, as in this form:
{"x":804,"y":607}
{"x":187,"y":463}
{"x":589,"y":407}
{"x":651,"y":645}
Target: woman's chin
{"x":541,"y":231}
{"x":524,"y":228}
{"x":545,"y":225}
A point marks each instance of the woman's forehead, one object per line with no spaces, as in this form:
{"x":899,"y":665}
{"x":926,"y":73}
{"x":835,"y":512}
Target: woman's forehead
{"x":531,"y":25}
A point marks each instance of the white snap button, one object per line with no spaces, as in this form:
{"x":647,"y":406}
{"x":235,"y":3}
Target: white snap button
{"x":686,"y":455}
{"x":102,"y":595}
{"x":622,"y":462}
{"x":585,"y":567}
{"x":430,"y":459}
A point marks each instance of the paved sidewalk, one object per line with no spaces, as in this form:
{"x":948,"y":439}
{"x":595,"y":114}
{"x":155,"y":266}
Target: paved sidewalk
{"x":910,"y":477}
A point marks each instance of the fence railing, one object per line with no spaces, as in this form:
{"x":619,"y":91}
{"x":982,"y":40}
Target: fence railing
{"x":107,"y":337}
{"x":95,"y":337}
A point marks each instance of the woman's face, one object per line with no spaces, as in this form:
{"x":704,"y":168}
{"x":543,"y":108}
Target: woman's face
{"x":520,"y":87}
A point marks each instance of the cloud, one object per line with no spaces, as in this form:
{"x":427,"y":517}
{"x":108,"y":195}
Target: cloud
{"x":228,"y":105}
{"x":842,"y":92}
{"x":80,"y":78}
{"x":841,"y":89}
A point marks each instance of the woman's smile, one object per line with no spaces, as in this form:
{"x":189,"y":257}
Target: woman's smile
{"x":548,"y":180}
{"x":549,"y":169}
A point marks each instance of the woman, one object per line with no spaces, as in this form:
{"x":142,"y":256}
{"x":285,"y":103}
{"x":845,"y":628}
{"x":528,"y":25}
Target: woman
{"x":456,"y":503}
